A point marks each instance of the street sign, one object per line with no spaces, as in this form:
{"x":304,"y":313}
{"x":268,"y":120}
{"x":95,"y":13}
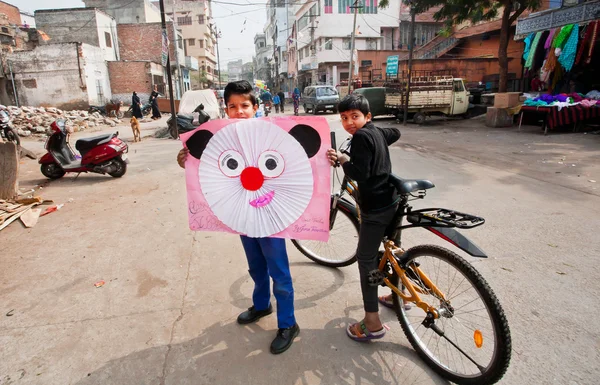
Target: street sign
{"x":165,"y":48}
{"x":391,"y":67}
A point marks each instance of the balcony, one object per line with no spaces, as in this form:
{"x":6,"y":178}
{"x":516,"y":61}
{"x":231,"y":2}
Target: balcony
{"x":191,"y":63}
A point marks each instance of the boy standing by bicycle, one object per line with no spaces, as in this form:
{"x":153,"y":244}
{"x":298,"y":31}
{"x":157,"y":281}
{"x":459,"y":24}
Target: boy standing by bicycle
{"x":266,"y":256}
{"x":370,"y":166}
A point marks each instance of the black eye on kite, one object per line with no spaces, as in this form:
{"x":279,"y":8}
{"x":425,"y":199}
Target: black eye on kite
{"x":231,"y":163}
{"x":271,"y":164}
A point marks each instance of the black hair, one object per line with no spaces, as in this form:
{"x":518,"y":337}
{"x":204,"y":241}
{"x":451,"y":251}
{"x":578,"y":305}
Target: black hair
{"x":241,"y":87}
{"x":354,"y":102}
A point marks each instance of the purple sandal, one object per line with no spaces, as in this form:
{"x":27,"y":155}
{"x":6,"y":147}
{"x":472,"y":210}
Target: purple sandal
{"x":362,"y":334}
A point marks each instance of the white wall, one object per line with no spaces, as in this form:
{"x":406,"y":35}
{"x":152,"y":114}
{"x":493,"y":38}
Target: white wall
{"x":29,"y":20}
{"x":106,"y":23}
{"x":96,"y":69}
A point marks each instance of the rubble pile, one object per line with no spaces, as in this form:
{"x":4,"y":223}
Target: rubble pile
{"x":36,"y":121}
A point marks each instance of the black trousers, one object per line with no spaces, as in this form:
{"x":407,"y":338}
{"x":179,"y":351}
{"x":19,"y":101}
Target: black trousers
{"x":372,"y":229}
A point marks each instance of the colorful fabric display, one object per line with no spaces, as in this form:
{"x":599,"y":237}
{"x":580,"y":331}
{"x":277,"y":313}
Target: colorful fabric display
{"x":528,"y":41}
{"x":562,"y":36}
{"x":532,"y":50}
{"x":584,"y":43}
{"x":549,"y":39}
{"x":592,"y":42}
{"x":567,"y":58}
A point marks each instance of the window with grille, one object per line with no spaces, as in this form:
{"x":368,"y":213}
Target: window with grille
{"x":368,"y":6}
{"x":185,"y":20}
{"x":200,"y":19}
{"x":328,"y":6}
{"x":329,"y":44}
{"x":191,"y":42}
{"x":371,"y":44}
{"x":107,"y":39}
{"x":346,"y":42}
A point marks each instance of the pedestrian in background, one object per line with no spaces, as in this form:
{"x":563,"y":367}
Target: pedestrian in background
{"x":281,"y":100}
{"x":154,"y":102}
{"x":276,"y":102}
{"x":136,"y":106}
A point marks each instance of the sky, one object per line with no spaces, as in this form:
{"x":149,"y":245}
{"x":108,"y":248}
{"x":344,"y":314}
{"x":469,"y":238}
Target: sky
{"x":229,"y":18}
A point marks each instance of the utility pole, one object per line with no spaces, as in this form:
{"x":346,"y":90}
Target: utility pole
{"x":173,"y":129}
{"x":355,"y":7}
{"x":217,"y":35}
{"x":410,"y":55}
{"x":179,"y":77}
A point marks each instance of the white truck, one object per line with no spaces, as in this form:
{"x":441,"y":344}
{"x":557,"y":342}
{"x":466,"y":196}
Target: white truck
{"x":429,"y":95}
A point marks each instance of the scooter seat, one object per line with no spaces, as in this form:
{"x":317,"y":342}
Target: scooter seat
{"x":85,"y":144}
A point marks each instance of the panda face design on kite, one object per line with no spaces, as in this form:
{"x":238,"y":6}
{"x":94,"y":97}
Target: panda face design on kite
{"x":256,"y":177}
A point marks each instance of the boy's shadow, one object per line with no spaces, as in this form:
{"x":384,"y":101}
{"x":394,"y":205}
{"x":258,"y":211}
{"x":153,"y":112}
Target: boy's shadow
{"x":236,"y":354}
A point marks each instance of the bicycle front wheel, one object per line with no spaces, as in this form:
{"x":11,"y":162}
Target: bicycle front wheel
{"x":470,"y":341}
{"x":340,"y":250}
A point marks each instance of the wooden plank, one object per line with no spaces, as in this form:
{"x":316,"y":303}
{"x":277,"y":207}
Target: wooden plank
{"x":13,"y":218}
{"x":30,"y":217}
{"x":9,"y":170}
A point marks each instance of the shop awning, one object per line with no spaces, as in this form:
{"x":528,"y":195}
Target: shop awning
{"x":559,"y":17}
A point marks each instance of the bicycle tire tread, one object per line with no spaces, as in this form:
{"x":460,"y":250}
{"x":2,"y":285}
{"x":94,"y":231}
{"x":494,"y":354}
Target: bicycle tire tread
{"x":498,"y":368}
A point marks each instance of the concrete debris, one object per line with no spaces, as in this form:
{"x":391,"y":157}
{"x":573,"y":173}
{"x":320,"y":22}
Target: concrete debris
{"x":36,"y":121}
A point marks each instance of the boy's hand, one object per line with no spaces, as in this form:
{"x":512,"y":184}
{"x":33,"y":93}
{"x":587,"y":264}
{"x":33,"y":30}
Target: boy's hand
{"x":182,"y":156}
{"x":336,"y":158}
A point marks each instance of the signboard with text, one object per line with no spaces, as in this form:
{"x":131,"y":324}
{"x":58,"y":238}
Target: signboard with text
{"x":391,"y":68}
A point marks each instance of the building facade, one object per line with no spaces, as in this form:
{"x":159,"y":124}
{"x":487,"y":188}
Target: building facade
{"x":323,"y":37}
{"x":86,"y":25}
{"x":263,"y":59}
{"x":65,"y":75}
{"x":193,"y":18}
{"x":137,"y":42}
{"x":234,"y":70}
{"x":126,"y":12}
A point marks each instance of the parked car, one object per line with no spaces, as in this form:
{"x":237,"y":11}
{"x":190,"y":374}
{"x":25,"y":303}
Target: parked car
{"x":320,"y":98}
{"x":376,"y":98}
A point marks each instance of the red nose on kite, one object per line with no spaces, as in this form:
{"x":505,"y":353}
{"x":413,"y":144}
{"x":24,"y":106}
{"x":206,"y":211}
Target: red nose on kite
{"x":252,"y":178}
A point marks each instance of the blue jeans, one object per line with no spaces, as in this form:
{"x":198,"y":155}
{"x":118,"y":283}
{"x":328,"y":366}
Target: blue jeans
{"x":268,"y":257}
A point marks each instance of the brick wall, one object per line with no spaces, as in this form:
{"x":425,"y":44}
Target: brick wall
{"x":12,"y":12}
{"x":143,"y":41}
{"x":129,"y":76}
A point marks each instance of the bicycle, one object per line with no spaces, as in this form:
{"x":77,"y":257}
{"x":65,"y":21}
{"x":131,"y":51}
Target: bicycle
{"x":425,"y":276}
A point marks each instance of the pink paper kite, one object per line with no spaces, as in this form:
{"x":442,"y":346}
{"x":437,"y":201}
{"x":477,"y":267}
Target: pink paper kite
{"x":266,"y":177}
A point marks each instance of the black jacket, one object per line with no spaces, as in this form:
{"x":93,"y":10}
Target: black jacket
{"x":370,"y":166}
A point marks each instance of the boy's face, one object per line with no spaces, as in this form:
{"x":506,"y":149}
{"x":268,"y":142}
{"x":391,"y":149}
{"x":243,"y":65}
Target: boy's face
{"x":240,"y":107}
{"x":354,"y":120}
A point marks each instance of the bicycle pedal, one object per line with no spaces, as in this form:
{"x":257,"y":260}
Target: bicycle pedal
{"x":375,"y":278}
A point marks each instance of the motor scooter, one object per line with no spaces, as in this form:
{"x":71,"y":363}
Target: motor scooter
{"x":103,"y":154}
{"x":6,"y":130}
{"x":267,"y":108}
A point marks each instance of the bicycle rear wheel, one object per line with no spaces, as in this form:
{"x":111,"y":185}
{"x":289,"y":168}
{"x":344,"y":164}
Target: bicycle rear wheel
{"x":470,"y":341}
{"x":340,"y":250}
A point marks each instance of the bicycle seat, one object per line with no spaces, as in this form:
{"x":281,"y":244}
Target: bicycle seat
{"x":406,"y":186}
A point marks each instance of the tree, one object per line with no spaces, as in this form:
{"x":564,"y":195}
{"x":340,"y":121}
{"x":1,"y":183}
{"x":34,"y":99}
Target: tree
{"x":454,"y":12}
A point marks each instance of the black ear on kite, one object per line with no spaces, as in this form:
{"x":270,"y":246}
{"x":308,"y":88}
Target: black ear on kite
{"x":197,"y":142}
{"x":308,"y":138}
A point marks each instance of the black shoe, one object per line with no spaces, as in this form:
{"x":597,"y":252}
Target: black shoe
{"x":284,"y":339}
{"x":252,"y":315}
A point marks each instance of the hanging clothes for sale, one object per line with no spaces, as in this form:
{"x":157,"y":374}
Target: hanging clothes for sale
{"x":528,"y":41}
{"x":562,"y":36}
{"x":592,"y":43}
{"x":567,"y":58}
{"x":584,"y":43}
{"x":540,"y":53}
{"x":532,"y":50}
{"x":551,"y":61}
{"x":549,"y":39}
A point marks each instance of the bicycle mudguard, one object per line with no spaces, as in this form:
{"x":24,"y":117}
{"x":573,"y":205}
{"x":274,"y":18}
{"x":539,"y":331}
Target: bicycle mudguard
{"x":458,"y":240}
{"x":347,"y":206}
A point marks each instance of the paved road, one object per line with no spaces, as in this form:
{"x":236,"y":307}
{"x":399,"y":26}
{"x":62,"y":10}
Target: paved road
{"x":166,"y":314}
